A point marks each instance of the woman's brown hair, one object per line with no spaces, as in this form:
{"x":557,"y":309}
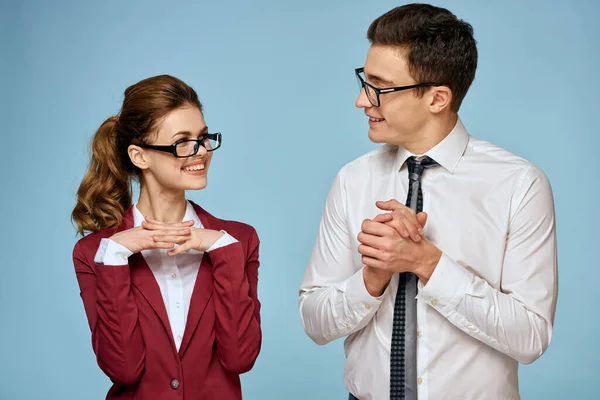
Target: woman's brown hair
{"x":105,"y":191}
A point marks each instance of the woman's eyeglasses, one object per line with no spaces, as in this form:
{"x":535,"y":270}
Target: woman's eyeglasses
{"x":189,"y":147}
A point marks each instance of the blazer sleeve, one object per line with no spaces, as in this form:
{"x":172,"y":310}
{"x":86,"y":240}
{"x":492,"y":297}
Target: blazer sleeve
{"x":238,"y":331}
{"x":112,"y":315}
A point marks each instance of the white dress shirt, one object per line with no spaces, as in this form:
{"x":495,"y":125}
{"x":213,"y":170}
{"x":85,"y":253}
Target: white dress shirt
{"x":491,"y":300}
{"x":175,"y":275}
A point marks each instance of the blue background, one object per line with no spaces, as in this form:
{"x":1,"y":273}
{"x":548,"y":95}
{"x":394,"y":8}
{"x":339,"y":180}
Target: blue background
{"x":277,"y":79}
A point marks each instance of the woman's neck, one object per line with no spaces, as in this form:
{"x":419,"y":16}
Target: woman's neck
{"x":166,"y":207}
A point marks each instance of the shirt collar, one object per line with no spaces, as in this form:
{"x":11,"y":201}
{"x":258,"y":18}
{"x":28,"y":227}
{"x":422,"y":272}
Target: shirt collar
{"x":447,"y":153}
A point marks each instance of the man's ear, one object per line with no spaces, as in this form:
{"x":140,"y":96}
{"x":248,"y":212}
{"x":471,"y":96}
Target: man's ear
{"x":440,"y":99}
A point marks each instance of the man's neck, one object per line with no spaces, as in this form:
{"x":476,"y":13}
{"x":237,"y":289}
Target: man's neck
{"x":430,"y":135}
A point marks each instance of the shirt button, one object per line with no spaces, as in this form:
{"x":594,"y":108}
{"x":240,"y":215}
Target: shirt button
{"x":174,"y":384}
{"x":419,"y":333}
{"x":434,"y":302}
{"x":347,"y":325}
{"x":419,"y":380}
{"x":178,"y":304}
{"x":179,"y":338}
{"x":173,"y":276}
{"x":368,"y":306}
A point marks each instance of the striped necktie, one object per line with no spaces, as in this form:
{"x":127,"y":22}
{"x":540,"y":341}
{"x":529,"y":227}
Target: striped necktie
{"x":403,"y":375}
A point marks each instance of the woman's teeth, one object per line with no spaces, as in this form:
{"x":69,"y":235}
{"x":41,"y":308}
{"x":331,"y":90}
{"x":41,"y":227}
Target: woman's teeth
{"x":197,"y":167}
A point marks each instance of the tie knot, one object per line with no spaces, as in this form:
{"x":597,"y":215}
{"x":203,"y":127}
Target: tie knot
{"x":416,"y":166}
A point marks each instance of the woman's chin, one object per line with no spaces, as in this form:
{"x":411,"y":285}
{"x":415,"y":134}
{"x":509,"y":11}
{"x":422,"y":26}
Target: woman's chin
{"x":197,"y":184}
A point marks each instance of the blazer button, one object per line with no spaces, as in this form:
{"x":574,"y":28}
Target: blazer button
{"x":174,"y":384}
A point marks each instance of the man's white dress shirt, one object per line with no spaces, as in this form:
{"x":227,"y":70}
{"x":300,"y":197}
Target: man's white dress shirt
{"x":491,"y":300}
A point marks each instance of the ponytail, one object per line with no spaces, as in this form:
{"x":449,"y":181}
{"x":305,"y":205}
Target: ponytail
{"x":105,"y":191}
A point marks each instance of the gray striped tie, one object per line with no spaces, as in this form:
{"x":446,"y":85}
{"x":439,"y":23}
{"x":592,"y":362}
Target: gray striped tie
{"x":403,"y":372}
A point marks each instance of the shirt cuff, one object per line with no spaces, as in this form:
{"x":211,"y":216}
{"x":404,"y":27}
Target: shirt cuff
{"x":223,"y":241}
{"x":357,"y":292}
{"x":446,"y":287}
{"x":111,"y":253}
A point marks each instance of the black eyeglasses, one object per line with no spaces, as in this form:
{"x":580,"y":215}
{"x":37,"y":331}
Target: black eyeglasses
{"x":189,"y":147}
{"x":373,"y":93}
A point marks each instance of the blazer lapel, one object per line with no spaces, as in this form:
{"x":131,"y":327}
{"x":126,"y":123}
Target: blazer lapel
{"x":203,"y":287}
{"x":143,"y":279}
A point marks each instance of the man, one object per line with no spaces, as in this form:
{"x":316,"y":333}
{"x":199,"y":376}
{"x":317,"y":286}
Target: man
{"x":442,"y":303}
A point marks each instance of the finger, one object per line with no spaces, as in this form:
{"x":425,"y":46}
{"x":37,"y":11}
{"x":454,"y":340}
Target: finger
{"x":376,"y":228}
{"x":167,"y":237}
{"x":169,"y":231}
{"x":422,"y":218}
{"x":171,"y":239}
{"x":153,"y":224}
{"x":383,"y":218}
{"x":389,"y":220}
{"x":162,"y":245}
{"x":369,"y":251}
{"x":169,"y":234}
{"x":376,"y":242}
{"x":373,"y":262}
{"x":410,"y":222}
{"x":183,"y":248}
{"x":400,"y":227}
{"x":389,"y":205}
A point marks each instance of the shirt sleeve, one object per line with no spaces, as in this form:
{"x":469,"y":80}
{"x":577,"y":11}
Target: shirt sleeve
{"x":223,"y":241}
{"x":111,"y":253}
{"x":517,"y":318}
{"x":334,"y":301}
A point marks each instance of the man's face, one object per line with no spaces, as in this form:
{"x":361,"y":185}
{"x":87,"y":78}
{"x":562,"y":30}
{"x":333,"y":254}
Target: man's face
{"x":401,"y":115}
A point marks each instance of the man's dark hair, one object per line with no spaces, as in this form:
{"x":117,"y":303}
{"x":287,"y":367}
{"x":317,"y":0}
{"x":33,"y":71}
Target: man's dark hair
{"x":440,"y":48}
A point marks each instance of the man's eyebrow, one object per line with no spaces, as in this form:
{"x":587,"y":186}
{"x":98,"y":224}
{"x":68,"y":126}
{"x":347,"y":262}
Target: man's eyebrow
{"x":379,"y":79}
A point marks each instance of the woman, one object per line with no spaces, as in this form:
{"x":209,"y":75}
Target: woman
{"x":169,"y":290}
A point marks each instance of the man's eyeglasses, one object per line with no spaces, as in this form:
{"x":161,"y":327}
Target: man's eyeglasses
{"x":189,"y":147}
{"x":373,"y":93}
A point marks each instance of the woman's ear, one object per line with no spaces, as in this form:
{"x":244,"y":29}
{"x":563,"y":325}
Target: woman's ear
{"x":137,"y":156}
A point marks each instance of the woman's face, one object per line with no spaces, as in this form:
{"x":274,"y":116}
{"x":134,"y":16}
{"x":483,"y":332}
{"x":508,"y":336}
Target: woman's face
{"x":169,"y":172}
